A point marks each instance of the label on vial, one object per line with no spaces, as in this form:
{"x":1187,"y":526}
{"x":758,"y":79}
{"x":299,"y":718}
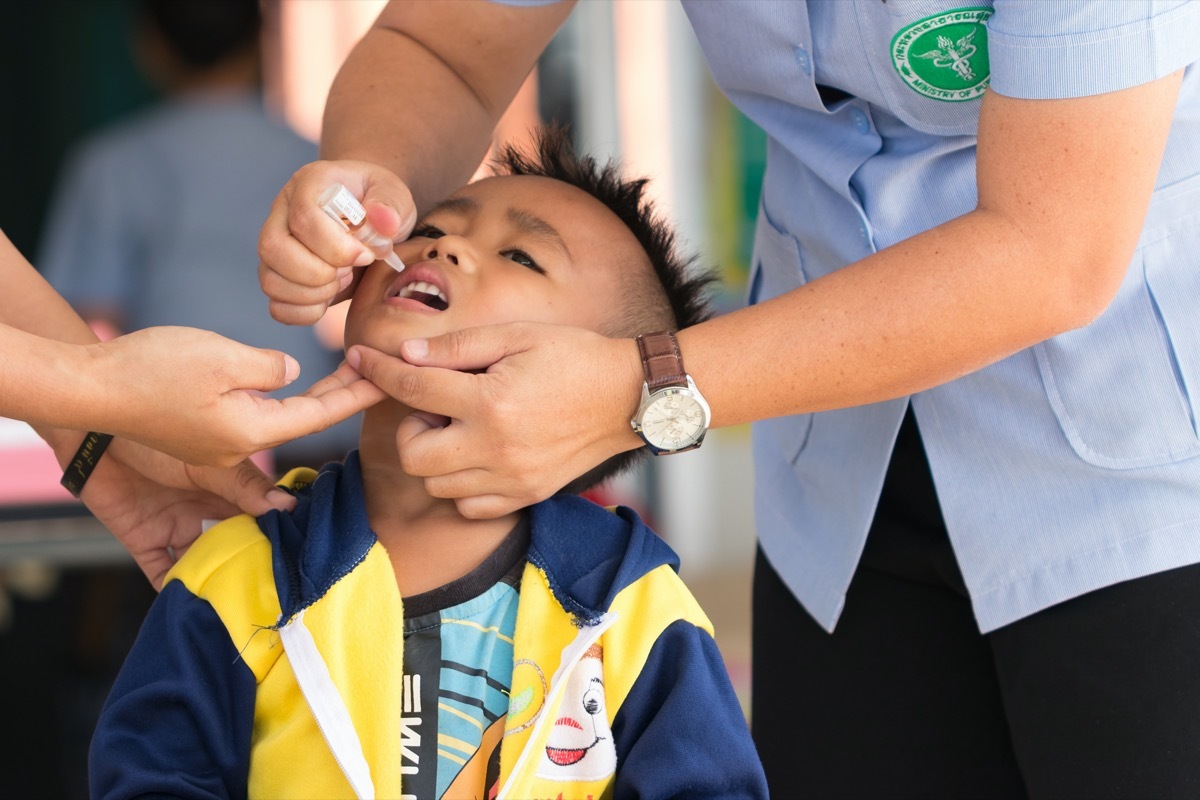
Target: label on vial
{"x":344,"y":207}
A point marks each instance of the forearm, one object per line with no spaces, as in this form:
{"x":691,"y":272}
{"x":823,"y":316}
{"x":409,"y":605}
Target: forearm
{"x":423,"y":103}
{"x":903,"y":320}
{"x":365,"y":117}
{"x":30,"y":304}
{"x":45,"y":380}
{"x":48,"y":384}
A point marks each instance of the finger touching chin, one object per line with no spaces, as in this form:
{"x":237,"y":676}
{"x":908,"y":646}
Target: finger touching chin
{"x":489,"y":506}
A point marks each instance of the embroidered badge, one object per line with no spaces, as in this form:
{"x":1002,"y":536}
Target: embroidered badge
{"x":945,"y":56}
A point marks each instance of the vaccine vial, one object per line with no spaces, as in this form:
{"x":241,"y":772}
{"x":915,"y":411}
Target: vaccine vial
{"x":342,"y":206}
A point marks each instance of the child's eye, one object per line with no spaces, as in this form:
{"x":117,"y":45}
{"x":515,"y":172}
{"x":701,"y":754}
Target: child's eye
{"x":522,"y":258}
{"x":426,"y":232}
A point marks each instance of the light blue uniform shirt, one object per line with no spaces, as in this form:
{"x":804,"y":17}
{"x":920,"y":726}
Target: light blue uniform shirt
{"x":1067,"y":467}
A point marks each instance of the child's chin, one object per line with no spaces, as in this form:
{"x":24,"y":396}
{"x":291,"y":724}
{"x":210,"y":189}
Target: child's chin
{"x":389,"y":344}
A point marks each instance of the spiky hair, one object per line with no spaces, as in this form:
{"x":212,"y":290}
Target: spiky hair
{"x":675,"y":295}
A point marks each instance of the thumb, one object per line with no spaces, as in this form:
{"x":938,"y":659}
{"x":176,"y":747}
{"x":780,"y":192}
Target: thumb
{"x":389,"y":222}
{"x":467,"y":349}
{"x":263,"y":370}
{"x":389,"y":206}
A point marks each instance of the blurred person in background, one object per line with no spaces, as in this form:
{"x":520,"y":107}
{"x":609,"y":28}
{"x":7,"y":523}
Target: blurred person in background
{"x":155,"y":220}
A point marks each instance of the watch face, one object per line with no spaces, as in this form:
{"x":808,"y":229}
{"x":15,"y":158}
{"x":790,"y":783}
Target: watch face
{"x":674,"y":420}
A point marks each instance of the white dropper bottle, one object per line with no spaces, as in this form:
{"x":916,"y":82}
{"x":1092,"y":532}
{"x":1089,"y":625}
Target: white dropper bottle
{"x":341,"y":205}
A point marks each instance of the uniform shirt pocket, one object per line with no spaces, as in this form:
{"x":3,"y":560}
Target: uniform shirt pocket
{"x":776,"y":269}
{"x":1125,"y":389}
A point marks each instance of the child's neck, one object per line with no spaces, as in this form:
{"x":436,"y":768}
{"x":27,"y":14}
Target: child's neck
{"x":429,"y":542}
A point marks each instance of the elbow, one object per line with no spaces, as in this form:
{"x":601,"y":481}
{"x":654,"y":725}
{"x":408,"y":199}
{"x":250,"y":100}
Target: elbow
{"x":1069,"y":279}
{"x":1087,"y":284}
{"x":1072,"y":268}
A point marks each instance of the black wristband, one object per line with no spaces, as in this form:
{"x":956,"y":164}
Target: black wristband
{"x":84,"y":461}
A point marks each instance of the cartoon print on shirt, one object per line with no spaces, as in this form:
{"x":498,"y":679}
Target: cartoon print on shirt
{"x":580,"y":746}
{"x":528,"y":697}
{"x":484,"y":763}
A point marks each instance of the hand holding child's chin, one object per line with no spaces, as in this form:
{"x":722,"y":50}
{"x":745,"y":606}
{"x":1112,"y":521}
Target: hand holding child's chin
{"x":425,"y":420}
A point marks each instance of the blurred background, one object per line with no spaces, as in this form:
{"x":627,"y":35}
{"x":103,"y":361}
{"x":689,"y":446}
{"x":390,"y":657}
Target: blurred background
{"x":119,"y":117}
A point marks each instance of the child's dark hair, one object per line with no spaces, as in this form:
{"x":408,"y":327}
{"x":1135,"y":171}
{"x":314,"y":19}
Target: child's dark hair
{"x":676,"y":296}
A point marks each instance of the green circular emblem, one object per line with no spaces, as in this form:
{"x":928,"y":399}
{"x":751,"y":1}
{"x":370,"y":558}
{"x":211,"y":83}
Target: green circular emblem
{"x":945,"y":56}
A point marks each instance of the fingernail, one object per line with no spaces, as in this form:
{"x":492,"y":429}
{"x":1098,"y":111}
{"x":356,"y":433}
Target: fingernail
{"x":291,"y":368}
{"x":353,"y":358}
{"x":281,"y":500}
{"x":365,"y":259}
{"x":415,"y":348}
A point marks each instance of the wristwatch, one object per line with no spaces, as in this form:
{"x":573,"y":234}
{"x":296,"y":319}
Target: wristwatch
{"x":673,"y":416}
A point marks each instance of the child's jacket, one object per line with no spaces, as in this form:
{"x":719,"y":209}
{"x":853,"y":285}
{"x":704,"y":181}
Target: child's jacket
{"x":274,"y":651}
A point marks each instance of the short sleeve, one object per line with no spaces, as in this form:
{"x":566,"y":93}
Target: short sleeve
{"x":1075,"y":48}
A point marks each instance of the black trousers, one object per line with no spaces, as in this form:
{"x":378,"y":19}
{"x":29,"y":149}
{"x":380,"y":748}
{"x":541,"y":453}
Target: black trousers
{"x":1097,"y":697}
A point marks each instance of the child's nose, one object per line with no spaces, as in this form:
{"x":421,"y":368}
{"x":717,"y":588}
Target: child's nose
{"x":453,"y":249}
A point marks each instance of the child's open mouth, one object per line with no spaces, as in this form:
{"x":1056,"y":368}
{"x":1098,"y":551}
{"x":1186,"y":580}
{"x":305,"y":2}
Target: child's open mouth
{"x":423,"y":292}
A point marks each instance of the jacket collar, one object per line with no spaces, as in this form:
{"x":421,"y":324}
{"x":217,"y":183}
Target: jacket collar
{"x":588,"y":553}
{"x":323,"y":538}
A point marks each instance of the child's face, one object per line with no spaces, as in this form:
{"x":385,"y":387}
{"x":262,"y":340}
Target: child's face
{"x":505,"y":249}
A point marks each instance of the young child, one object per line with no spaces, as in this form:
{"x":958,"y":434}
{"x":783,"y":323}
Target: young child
{"x":375,"y":643}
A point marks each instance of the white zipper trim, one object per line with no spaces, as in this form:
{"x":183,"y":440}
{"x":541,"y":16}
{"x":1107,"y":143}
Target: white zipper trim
{"x":330,"y":712}
{"x":572,"y":654}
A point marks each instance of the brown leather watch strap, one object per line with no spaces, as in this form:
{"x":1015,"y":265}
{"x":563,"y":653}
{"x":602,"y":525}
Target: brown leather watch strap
{"x":661,"y":360}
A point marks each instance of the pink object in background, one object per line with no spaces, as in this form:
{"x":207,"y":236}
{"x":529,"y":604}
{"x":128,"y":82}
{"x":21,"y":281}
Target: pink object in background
{"x":30,"y":474}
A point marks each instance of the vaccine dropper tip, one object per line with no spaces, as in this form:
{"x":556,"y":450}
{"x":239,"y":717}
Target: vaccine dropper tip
{"x":394,"y":261}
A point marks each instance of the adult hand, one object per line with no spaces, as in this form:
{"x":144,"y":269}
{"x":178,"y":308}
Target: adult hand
{"x":155,"y":504}
{"x":551,"y":403}
{"x":197,"y":396}
{"x":307,"y":262}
